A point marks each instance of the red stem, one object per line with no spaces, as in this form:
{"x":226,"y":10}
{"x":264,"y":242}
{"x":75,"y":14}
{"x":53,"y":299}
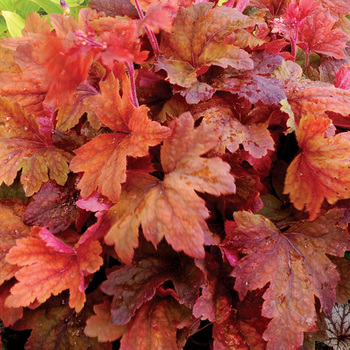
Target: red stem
{"x":151,"y":36}
{"x":130,"y":67}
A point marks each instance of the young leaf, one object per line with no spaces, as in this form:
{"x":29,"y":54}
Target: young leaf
{"x":49,"y":266}
{"x":295,"y":265}
{"x":198,"y":41}
{"x":155,"y":325}
{"x":321,"y":170}
{"x":66,"y":67}
{"x":12,"y":228}
{"x":336,"y":7}
{"x":318,"y":35}
{"x":103,"y":160}
{"x":23,"y":147}
{"x":171,"y":208}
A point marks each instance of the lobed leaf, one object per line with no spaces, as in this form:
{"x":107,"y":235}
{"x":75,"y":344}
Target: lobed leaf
{"x":295,"y":265}
{"x":198,"y":41}
{"x":171,"y":208}
{"x":54,"y":325}
{"x":23,"y":147}
{"x":134,"y":285}
{"x":156,"y":324}
{"x":103,"y":160}
{"x":321,"y":170}
{"x":49,"y":266}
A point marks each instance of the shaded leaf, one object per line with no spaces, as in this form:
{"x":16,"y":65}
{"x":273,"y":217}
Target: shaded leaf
{"x":103,"y":160}
{"x":171,"y":208}
{"x":8,"y":315}
{"x":53,"y":207}
{"x":49,"y":266}
{"x":113,"y":8}
{"x":134,"y":285}
{"x":295,"y":265}
{"x":321,"y":170}
{"x":55,"y":326}
{"x":12,"y":228}
{"x":155,"y":325}
{"x":275,"y":7}
{"x":24,"y":147}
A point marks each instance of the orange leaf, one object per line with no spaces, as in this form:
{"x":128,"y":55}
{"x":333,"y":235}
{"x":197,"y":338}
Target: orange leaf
{"x":156,"y":324}
{"x":12,"y":228}
{"x":198,"y":40}
{"x":49,"y":266}
{"x":26,"y":86}
{"x":321,"y":170}
{"x":100,"y":325}
{"x":317,"y":97}
{"x":171,"y":208}
{"x":295,"y":265}
{"x":255,"y":137}
{"x":103,"y":160}
{"x":23,"y":147}
{"x":9,"y":315}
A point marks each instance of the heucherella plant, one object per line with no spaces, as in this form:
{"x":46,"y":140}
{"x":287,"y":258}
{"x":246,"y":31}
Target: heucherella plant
{"x":175,"y":172}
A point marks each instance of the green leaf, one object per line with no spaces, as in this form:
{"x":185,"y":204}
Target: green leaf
{"x":3,"y":26}
{"x":15,"y":23}
{"x":25,"y":7}
{"x":7,"y":5}
{"x":49,"y":6}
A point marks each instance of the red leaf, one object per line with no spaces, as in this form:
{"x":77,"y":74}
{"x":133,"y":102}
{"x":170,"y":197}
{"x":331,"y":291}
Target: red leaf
{"x":49,"y":266}
{"x":66,"y":67}
{"x":23,"y":147}
{"x":120,"y":41}
{"x":160,"y":15}
{"x":53,"y":207}
{"x":134,"y":285}
{"x":317,"y":35}
{"x":342,"y":77}
{"x":103,"y":160}
{"x":321,"y":170}
{"x":151,"y":203}
{"x":336,"y":7}
{"x":295,"y":265}
{"x":275,"y":7}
